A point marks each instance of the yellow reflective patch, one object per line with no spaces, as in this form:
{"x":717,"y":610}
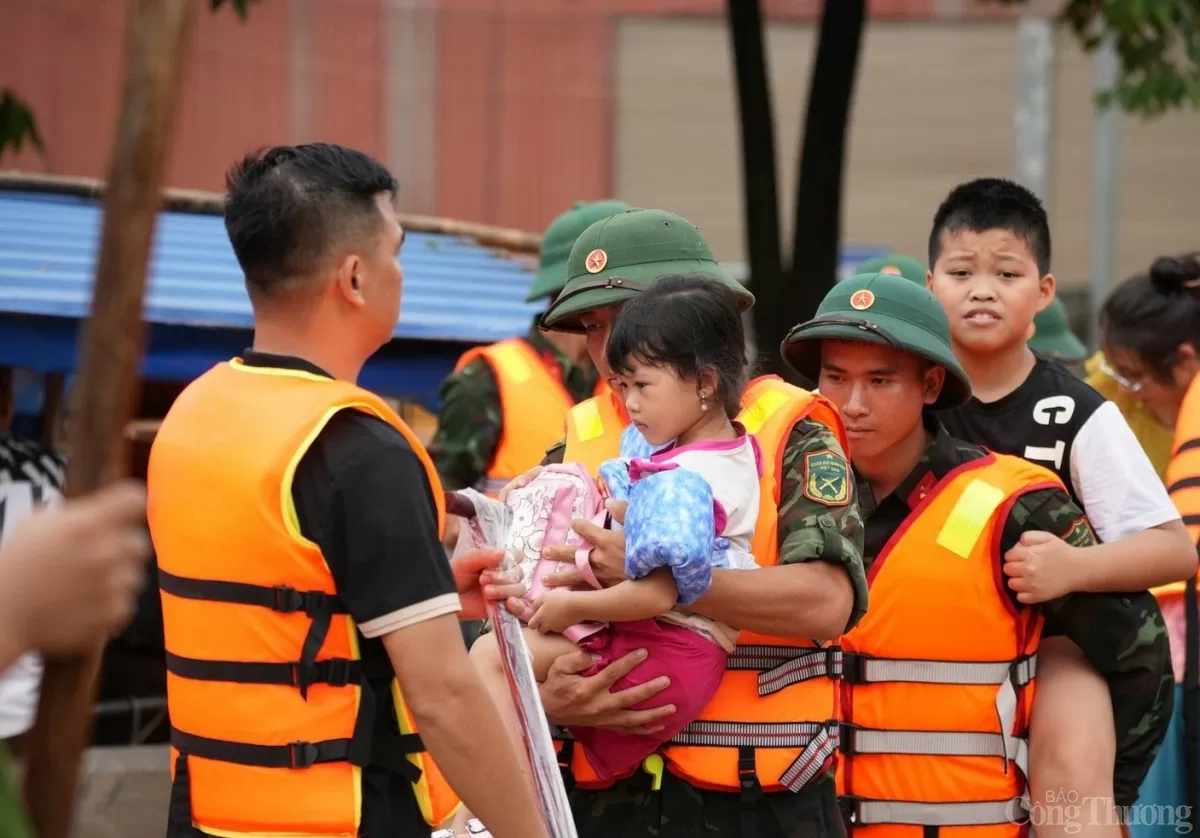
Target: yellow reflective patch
{"x":764,"y":407}
{"x":514,"y":362}
{"x":585,"y":419}
{"x":968,"y":517}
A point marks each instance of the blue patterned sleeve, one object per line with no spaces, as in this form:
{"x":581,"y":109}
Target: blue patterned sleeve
{"x":615,"y":474}
{"x":671,"y":523}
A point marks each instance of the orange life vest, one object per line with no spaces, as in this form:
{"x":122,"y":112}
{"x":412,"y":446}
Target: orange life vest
{"x":938,"y":677}
{"x":1185,"y":463}
{"x":774,"y":716}
{"x":594,"y":428}
{"x":266,"y":688}
{"x":533,"y":403}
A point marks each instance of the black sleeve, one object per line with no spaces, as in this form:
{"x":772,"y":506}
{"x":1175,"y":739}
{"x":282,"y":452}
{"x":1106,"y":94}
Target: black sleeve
{"x":363,"y":496}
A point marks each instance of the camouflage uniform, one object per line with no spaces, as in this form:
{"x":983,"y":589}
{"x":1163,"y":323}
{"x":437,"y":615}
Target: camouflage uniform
{"x":630,"y":807}
{"x":470,"y":417}
{"x":1122,"y":635}
{"x":636,"y":248}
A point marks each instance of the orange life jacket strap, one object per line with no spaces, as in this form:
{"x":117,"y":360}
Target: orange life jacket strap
{"x":318,"y":605}
{"x":335,"y":672}
{"x":281,"y":598}
{"x":780,"y":667}
{"x":389,"y":753}
{"x":363,"y":748}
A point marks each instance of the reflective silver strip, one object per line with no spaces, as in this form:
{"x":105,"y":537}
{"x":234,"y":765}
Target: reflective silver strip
{"x":882,"y":670}
{"x":817,"y":663}
{"x":982,"y":813}
{"x":933,"y":743}
{"x":489,"y":485}
{"x":748,"y":734}
{"x":763,"y":657}
{"x":812,"y":759}
{"x":953,"y":743}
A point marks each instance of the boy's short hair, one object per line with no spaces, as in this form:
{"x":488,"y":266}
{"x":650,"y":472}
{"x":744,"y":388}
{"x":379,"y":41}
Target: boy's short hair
{"x":991,"y":204}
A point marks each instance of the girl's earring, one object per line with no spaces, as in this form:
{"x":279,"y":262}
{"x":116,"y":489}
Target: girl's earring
{"x":703,"y":404}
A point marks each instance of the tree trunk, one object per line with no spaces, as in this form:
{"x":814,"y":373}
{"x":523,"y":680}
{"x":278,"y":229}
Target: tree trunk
{"x":760,"y":197}
{"x":816,"y":236}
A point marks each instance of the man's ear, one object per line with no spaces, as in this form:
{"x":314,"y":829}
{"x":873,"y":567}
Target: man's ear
{"x":935,"y":380}
{"x":1046,"y":289}
{"x":348,"y":280}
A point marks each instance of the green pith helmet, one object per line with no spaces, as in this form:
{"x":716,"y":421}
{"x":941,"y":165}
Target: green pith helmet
{"x":557,"y":241}
{"x":623,"y":254}
{"x":880,"y":308}
{"x":1053,"y":336}
{"x":894,"y":263}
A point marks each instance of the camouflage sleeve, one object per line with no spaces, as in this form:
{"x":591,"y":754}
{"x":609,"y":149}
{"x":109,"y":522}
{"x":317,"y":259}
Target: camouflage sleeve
{"x":1123,"y":636}
{"x":470,"y":420}
{"x":819,"y":516}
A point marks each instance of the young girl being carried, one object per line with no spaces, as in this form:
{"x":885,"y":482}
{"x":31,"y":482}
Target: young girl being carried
{"x":678,"y":354}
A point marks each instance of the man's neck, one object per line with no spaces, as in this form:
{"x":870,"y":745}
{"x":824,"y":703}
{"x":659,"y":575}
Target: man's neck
{"x":271,"y":340}
{"x":888,"y":470}
{"x":996,"y":374}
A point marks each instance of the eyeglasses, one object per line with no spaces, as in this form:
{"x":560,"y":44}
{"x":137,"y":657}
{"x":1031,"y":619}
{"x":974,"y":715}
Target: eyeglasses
{"x":1130,"y":385}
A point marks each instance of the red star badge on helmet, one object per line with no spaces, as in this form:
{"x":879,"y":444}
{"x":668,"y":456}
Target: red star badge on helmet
{"x":596,"y":260}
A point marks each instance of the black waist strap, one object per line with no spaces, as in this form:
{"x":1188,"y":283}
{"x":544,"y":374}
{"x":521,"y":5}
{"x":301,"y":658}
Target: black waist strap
{"x":282,"y":598}
{"x":318,"y":605}
{"x":389,"y":753}
{"x":337,"y":672}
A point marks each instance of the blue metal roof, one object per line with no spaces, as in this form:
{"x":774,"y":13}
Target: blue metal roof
{"x":454,"y":289}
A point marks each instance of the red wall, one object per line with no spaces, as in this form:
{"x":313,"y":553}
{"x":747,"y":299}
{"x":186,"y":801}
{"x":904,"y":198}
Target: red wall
{"x":524,"y":102}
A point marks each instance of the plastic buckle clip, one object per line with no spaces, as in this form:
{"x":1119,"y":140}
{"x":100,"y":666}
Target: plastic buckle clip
{"x":303,"y":754}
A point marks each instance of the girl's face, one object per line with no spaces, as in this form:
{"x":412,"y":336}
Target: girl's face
{"x":1162,"y":395}
{"x":665,"y":406}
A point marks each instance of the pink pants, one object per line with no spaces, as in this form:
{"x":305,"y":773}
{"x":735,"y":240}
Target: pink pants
{"x":695,"y":666}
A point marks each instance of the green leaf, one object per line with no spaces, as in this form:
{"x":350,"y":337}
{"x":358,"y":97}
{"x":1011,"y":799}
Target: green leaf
{"x":17,"y":125}
{"x":1158,"y":47}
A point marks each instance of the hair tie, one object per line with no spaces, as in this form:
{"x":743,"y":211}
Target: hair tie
{"x":1191,"y":283}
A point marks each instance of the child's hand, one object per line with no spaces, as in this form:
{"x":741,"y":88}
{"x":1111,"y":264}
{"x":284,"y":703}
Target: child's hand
{"x":555,"y":611}
{"x":1042,"y":567}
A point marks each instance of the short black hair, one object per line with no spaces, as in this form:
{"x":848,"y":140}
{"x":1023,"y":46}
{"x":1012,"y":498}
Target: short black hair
{"x":687,"y":323}
{"x":1152,"y":314}
{"x":993,"y":204}
{"x":287,"y":207}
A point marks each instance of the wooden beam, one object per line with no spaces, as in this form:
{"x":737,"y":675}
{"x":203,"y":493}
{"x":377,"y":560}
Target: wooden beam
{"x":156,"y":45}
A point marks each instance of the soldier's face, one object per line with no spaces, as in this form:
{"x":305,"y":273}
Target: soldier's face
{"x":598,"y":324}
{"x":881,"y":393}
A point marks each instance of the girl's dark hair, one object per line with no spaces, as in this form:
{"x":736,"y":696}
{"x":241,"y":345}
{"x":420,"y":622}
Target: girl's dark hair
{"x":1154,"y":313}
{"x":687,"y":323}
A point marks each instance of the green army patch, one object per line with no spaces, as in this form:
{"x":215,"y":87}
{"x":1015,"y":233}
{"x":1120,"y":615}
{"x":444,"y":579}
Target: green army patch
{"x":1081,"y":534}
{"x":826,"y":478}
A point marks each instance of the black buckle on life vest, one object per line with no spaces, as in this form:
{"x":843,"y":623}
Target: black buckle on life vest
{"x":303,"y":754}
{"x":852,"y":668}
{"x":336,"y":672}
{"x":846,"y":733}
{"x":288,"y":600}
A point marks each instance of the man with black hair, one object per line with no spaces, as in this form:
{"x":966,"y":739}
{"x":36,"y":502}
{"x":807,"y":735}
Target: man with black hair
{"x":310,"y":615}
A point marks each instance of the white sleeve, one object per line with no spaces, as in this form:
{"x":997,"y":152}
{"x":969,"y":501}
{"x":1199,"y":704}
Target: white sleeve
{"x":1114,"y":480}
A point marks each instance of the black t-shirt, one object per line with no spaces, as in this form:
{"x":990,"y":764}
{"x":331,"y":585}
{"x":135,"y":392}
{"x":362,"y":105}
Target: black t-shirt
{"x":362,"y":495}
{"x":1037,"y":421}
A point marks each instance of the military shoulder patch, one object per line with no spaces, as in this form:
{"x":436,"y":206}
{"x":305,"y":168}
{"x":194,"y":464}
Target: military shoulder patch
{"x":1081,"y":534}
{"x":826,"y":478}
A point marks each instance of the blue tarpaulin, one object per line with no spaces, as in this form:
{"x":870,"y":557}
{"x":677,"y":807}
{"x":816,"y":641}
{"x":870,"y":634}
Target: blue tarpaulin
{"x":456,"y":293}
